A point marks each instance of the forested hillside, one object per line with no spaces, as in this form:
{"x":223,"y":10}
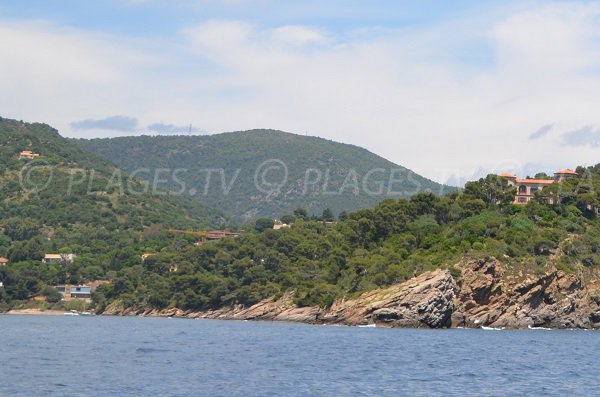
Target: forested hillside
{"x":68,"y":201}
{"x":223,"y":171}
{"x":388,"y":244}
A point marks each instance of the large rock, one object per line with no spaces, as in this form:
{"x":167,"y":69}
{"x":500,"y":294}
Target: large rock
{"x":552,"y":299}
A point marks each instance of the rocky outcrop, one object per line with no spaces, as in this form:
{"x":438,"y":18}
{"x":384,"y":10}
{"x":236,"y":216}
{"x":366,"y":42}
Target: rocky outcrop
{"x":550,"y":300}
{"x":484,"y":294}
{"x":424,"y":301}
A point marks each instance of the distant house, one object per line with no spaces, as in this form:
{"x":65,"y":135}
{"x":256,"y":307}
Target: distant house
{"x":52,"y":258}
{"x":526,"y":188}
{"x":28,"y":154}
{"x":3,"y":261}
{"x":280,"y":225}
{"x":74,"y":292}
{"x":59,"y":258}
{"x":146,"y":255}
{"x":1,"y":284}
{"x":71,"y":292}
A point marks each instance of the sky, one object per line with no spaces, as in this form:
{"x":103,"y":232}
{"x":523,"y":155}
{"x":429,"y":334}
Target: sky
{"x":450,"y":89}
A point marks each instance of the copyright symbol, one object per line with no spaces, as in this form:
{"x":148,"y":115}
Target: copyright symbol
{"x":35,"y":176}
{"x":270,"y":176}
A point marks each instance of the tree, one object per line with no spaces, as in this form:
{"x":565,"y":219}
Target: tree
{"x":19,"y":229}
{"x":492,"y":189}
{"x":328,"y":215}
{"x":288,"y":219}
{"x":263,"y":224}
{"x":541,"y":175}
{"x":343,"y":216}
{"x":51,"y":294}
{"x":301,"y":213}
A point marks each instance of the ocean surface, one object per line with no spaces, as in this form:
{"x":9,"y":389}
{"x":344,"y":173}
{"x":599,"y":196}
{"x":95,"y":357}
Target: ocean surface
{"x":114,"y":356}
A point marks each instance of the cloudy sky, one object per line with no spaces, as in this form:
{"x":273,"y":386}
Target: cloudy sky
{"x":450,"y":89}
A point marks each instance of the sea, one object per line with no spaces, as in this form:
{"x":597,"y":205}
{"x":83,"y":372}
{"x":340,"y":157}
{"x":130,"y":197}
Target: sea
{"x":132,"y":356}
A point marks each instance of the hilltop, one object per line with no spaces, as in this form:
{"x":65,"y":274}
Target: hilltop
{"x":65,"y":185}
{"x":266,"y":173}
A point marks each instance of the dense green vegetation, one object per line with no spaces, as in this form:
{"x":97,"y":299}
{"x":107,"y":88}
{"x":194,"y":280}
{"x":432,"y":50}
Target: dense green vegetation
{"x":70,"y":201}
{"x":221,"y":170}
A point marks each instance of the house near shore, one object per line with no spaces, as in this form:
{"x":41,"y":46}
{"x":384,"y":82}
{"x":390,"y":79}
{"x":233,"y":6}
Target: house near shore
{"x":70,"y":292}
{"x":28,"y":154}
{"x":74,"y":292}
{"x":527,"y":188}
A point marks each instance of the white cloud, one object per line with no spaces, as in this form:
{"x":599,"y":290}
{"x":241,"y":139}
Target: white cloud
{"x":422,"y":97}
{"x":300,"y":35}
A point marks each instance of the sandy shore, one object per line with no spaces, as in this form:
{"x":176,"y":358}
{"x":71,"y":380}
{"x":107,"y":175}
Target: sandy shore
{"x":37,"y":312}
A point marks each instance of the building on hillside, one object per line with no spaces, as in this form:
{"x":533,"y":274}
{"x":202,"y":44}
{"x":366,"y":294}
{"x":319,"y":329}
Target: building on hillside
{"x":564,"y":174}
{"x":3,"y":261}
{"x":146,"y":255}
{"x":526,"y":188}
{"x":1,"y":284}
{"x":52,"y":258}
{"x":74,"y":292}
{"x":59,"y":258}
{"x":279,"y":225}
{"x":28,"y":154}
{"x":71,"y":292}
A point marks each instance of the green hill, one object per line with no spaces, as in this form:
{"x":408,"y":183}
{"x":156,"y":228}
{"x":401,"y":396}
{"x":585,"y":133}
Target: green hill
{"x":258,"y":173}
{"x":65,"y":185}
{"x":68,"y":201}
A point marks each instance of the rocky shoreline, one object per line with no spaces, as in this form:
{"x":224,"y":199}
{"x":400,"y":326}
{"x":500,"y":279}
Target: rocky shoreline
{"x":481,"y":293}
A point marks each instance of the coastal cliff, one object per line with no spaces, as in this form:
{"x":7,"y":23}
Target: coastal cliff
{"x":477,"y":293}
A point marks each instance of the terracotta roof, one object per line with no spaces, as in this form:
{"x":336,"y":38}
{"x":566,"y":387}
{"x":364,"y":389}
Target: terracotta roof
{"x":4,"y":260}
{"x":566,"y":171}
{"x":52,"y":256}
{"x":540,"y":181}
{"x":508,"y":175}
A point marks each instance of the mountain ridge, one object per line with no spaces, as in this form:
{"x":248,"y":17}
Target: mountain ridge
{"x":320,"y":173}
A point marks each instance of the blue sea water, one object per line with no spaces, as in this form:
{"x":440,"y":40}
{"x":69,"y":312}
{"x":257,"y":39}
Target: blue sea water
{"x":115,"y":356}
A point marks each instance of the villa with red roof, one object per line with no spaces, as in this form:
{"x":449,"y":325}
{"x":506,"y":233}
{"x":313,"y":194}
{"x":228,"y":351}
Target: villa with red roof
{"x":28,"y":154}
{"x":526,"y":188}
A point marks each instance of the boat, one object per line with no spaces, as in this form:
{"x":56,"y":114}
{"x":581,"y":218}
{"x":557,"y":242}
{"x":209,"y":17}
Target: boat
{"x":71,"y":313}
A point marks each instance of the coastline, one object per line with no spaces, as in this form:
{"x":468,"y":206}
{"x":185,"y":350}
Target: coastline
{"x":484,"y":295}
{"x":475,"y":294}
{"x":34,"y":312}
